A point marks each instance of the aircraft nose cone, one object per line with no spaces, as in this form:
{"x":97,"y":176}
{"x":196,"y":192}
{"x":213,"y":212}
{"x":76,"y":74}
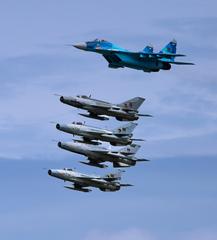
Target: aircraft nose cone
{"x":49,"y":172}
{"x":82,"y":46}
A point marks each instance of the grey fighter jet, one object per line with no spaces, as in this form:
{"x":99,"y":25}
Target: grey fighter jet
{"x":97,"y":109}
{"x":117,"y":137}
{"x":97,"y":154}
{"x":108,"y":183}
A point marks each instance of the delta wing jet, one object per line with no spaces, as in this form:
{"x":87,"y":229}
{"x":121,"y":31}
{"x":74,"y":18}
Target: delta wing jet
{"x":118,"y":137}
{"x":97,"y":154}
{"x":97,"y":109}
{"x":146,"y":60}
{"x":81,"y":182}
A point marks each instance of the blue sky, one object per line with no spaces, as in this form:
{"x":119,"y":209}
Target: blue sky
{"x":175,"y":194}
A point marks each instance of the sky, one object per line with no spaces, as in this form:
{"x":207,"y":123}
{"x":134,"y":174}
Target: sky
{"x":175,"y":194}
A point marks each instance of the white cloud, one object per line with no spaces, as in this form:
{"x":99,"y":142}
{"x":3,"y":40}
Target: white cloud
{"x":139,"y":234}
{"x":129,"y":234}
{"x":202,"y":234}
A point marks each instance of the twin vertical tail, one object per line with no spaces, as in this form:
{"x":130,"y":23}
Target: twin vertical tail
{"x":170,"y":48}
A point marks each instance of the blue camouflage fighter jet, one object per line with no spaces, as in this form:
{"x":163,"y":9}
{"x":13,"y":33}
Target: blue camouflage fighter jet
{"x":145,"y":60}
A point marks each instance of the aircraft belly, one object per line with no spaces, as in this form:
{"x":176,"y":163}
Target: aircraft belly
{"x":96,"y":183}
{"x":112,"y":113}
{"x":122,"y":115}
{"x":105,"y":157}
{"x":146,"y":65}
{"x":100,"y":157}
{"x":114,"y":139}
{"x":76,"y":150}
{"x":87,"y":135}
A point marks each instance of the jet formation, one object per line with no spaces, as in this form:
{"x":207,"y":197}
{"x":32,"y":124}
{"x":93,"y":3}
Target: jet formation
{"x":146,"y":60}
{"x":81,"y":182}
{"x":91,"y":139}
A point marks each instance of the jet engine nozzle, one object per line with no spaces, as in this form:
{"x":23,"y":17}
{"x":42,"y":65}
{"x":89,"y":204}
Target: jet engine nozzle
{"x":61,"y":99}
{"x":49,"y":172}
{"x":57,"y":126}
{"x":59,"y":144}
{"x":166,"y":66}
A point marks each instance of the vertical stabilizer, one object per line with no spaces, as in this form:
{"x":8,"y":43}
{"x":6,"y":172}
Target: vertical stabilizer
{"x":132,"y":104}
{"x":130,"y":149}
{"x":125,"y":129}
{"x":170,"y":47}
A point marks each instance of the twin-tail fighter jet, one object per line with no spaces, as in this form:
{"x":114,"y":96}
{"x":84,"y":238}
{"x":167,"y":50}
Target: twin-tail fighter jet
{"x":108,"y":183}
{"x":118,"y":137}
{"x":145,"y":60}
{"x":97,"y":154}
{"x":97,"y":109}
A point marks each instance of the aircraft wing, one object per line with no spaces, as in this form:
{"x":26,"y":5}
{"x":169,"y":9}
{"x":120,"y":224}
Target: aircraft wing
{"x":114,"y":154}
{"x":100,"y":151}
{"x":128,"y":157}
{"x":111,"y":58}
{"x":88,"y":177}
{"x":100,"y":105}
{"x":107,"y":52}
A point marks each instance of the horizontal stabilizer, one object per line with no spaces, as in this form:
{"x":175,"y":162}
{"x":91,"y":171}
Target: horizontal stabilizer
{"x":142,"y":160}
{"x":138,"y":139}
{"x":126,"y":185}
{"x":145,"y":115}
{"x":173,"y":62}
{"x":182,"y":63}
{"x":94,"y":116}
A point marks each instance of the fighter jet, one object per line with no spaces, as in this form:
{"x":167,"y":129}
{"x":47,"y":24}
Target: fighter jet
{"x":118,"y":137}
{"x":97,"y":154}
{"x":108,"y":183}
{"x":126,"y":111}
{"x":145,"y":60}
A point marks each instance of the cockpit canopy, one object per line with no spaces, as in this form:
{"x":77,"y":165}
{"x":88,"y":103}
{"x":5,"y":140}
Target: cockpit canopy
{"x":82,"y":96}
{"x":99,"y":40}
{"x":68,"y":169}
{"x":78,"y":123}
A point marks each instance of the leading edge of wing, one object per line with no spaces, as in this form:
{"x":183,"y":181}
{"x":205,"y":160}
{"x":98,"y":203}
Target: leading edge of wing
{"x":139,"y":54}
